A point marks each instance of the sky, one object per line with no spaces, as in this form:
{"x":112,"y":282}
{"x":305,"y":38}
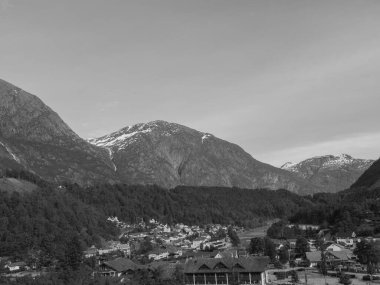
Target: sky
{"x":285,"y":80}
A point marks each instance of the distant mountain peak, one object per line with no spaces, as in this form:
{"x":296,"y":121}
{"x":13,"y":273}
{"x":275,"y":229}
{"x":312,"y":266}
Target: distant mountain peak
{"x":126,"y":136}
{"x":170,"y":154}
{"x":332,"y":172}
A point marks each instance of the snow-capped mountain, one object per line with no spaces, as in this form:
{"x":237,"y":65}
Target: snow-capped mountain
{"x":333,"y":173}
{"x":170,"y":154}
{"x":35,"y":138}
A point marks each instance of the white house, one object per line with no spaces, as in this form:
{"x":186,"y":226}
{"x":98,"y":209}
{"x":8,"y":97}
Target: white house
{"x":92,"y":251}
{"x":335,"y":247}
{"x":159,"y":254}
{"x":15,"y":266}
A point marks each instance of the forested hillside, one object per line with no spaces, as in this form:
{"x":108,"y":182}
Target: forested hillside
{"x":45,"y":219}
{"x":355,"y":209}
{"x":190,"y":205}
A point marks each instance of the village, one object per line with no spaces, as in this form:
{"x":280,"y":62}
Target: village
{"x":217,"y":254}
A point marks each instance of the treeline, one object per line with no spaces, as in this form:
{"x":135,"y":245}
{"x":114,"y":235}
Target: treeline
{"x":39,"y":224}
{"x":190,"y":205}
{"x":343,"y":212}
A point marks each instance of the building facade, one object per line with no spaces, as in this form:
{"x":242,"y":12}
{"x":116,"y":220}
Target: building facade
{"x":242,"y":270}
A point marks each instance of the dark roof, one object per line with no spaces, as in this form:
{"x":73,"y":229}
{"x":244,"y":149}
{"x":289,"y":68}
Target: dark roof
{"x":121,"y":264}
{"x":20,"y":263}
{"x":314,"y":256}
{"x":341,"y":255}
{"x":241,"y":264}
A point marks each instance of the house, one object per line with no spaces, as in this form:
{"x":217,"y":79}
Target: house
{"x":107,"y":250}
{"x":15,"y":266}
{"x":243,"y":270}
{"x":117,"y":267}
{"x":346,"y":242}
{"x":333,"y":258}
{"x":159,"y":254}
{"x":125,"y":248}
{"x":197,"y":242}
{"x":92,"y":251}
{"x":227,"y":253}
{"x":335,"y":247}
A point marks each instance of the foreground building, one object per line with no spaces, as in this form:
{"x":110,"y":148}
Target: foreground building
{"x":242,"y":270}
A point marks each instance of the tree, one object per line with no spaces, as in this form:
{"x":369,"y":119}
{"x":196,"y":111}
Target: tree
{"x":320,"y":244}
{"x":220,"y":234}
{"x":302,"y":246}
{"x":294,"y":275}
{"x":345,"y":279}
{"x":256,"y":246}
{"x":146,"y":245}
{"x":269,"y":249}
{"x":368,"y":254}
{"x":233,"y":236}
{"x":323,"y":266}
{"x":73,"y":254}
{"x":283,"y":255}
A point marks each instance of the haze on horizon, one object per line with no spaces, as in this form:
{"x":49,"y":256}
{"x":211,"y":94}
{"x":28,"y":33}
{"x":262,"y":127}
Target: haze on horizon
{"x":285,"y":80}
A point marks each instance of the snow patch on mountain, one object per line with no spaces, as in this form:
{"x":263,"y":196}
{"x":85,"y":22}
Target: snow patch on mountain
{"x":10,"y":152}
{"x":288,"y":165}
{"x":206,"y":136}
{"x":327,"y":161}
{"x":110,"y":153}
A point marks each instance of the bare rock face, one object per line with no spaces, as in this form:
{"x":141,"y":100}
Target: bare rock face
{"x":169,"y":154}
{"x":331,"y":173}
{"x":34,"y":137}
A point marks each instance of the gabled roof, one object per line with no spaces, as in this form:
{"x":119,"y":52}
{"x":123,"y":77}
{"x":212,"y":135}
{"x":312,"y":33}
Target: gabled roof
{"x":336,"y":245}
{"x":121,"y":264}
{"x":241,"y":264}
{"x":14,"y":264}
{"x":341,"y":255}
{"x":315,"y":256}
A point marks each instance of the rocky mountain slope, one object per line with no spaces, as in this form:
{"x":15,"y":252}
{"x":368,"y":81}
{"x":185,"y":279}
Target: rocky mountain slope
{"x":34,"y":137}
{"x":370,"y":178}
{"x":332,"y":173}
{"x":169,"y":154}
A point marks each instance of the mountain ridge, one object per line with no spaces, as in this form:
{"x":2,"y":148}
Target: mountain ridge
{"x":33,"y":137}
{"x":333,"y":173}
{"x":184,"y":156}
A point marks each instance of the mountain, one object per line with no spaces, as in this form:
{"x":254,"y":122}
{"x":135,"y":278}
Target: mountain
{"x":332,"y":173}
{"x":169,"y":154}
{"x":370,"y":178}
{"x":35,"y":138}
